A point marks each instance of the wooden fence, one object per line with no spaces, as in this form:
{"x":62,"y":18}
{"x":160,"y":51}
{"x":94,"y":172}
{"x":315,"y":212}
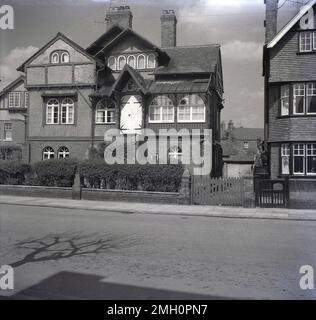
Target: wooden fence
{"x":217,"y":191}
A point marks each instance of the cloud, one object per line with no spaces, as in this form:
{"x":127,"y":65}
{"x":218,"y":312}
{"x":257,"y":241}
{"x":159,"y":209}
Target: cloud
{"x":238,"y":50}
{"x":12,"y":61}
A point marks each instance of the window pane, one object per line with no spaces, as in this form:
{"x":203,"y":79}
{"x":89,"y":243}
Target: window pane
{"x":299,"y":98}
{"x":285,"y":158}
{"x":167,"y":114}
{"x":151,"y":61}
{"x":154,"y":113}
{"x":314,"y":40}
{"x":121,"y":63}
{"x":110,"y":116}
{"x":141,"y":62}
{"x":299,"y":164}
{"x":298,"y":158}
{"x":285,"y":100}
{"x":184,"y":113}
{"x":311,"y":98}
{"x":112,"y":63}
{"x":131,"y":61}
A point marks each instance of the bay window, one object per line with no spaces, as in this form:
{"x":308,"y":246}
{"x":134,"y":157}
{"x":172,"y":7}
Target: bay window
{"x":161,"y":110}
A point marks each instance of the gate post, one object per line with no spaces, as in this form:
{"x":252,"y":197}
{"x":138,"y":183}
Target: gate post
{"x":185,"y":189}
{"x":249,"y":195}
{"x":76,"y":188}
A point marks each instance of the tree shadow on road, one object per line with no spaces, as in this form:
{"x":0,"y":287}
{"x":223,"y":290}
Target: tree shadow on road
{"x":65,"y":246}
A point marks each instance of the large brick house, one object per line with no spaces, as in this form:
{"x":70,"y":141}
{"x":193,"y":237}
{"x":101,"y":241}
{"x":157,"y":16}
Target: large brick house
{"x":14,"y":101}
{"x":290,"y":97}
{"x":123,"y":81}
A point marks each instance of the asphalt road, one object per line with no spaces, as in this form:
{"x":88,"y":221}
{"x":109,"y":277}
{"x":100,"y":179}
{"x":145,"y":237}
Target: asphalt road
{"x":61,"y":253}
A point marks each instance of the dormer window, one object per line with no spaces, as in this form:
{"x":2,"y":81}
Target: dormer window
{"x":60,"y":57}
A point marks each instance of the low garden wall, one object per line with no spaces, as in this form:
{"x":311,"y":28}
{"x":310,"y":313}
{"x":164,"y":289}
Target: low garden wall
{"x":302,"y":193}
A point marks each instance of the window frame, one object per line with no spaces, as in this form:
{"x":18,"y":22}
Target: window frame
{"x":49,"y":153}
{"x":282,"y":97}
{"x":115,"y":62}
{"x":15,"y":94}
{"x":304,"y":99}
{"x":299,"y":155}
{"x":161,"y":108}
{"x":313,"y":149}
{"x":305,"y":33}
{"x":118,"y":63}
{"x":307,"y":95}
{"x":63,"y":153}
{"x":141,"y":56}
{"x":53,"y":112}
{"x":190,"y":104}
{"x":128,"y":58}
{"x":6,"y":130}
{"x":56,"y":53}
{"x":285,"y":152}
{"x":68,"y":107}
{"x":26,"y":99}
{"x":105,"y":112}
{"x":151,"y":55}
{"x":62,"y":54}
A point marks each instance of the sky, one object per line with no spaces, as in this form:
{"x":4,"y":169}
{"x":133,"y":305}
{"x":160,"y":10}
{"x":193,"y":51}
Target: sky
{"x":237,"y":25}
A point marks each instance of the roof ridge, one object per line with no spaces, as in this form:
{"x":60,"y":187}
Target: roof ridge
{"x":194,"y":46}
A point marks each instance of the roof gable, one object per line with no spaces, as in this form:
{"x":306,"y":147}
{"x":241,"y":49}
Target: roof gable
{"x":104,"y":39}
{"x":134,"y":75}
{"x":58,"y":37}
{"x":291,"y":24}
{"x":120,"y":37}
{"x":12,"y":85}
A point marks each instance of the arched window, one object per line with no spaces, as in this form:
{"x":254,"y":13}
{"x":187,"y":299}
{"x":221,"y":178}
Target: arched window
{"x":63,"y":152}
{"x":121,"y":62}
{"x":175,"y":154}
{"x":151,"y":61}
{"x":112,"y":63}
{"x":52,"y":111}
{"x":105,"y":112}
{"x":161,"y":110}
{"x":48,"y":153}
{"x":67,"y":111}
{"x":64,"y":58}
{"x":141,"y":63}
{"x":55,"y":57}
{"x":131,"y":61}
{"x":191,"y":109}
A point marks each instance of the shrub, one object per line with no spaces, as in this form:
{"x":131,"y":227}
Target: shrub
{"x":57,"y":173}
{"x":13,"y":172}
{"x":164,"y":178}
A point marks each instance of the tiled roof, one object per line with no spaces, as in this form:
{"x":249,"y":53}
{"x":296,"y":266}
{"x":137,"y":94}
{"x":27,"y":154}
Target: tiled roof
{"x":247,"y":133}
{"x":178,"y":87}
{"x":241,"y":157}
{"x":195,"y":59}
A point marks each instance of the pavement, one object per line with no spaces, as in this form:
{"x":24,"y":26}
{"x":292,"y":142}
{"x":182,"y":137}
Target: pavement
{"x":164,"y":209}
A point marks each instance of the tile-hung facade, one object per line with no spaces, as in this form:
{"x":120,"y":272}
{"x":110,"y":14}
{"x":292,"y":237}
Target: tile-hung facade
{"x":122,"y":81}
{"x":290,"y":93}
{"x":14,"y":102}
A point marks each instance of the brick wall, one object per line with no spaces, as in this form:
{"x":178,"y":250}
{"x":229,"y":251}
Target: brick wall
{"x":303,"y":193}
{"x":168,"y":30}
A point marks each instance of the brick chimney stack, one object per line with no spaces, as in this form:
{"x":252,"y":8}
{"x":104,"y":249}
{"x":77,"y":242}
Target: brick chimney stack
{"x":271,"y":22}
{"x":168,"y":29}
{"x":121,"y":15}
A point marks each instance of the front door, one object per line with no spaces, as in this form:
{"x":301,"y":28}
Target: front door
{"x":131,"y":115}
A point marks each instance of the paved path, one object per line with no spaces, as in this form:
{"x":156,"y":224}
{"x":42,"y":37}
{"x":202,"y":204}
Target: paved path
{"x":73,"y":253}
{"x":164,"y":209}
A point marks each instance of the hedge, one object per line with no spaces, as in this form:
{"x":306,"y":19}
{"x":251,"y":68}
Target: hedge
{"x":94,"y":174}
{"x":163,"y":178}
{"x":13,"y":172}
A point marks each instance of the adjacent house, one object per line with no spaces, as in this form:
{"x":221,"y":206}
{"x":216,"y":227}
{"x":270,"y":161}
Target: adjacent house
{"x":123,"y":81}
{"x":14,"y":102}
{"x":239,"y":150}
{"x":290,"y":99}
